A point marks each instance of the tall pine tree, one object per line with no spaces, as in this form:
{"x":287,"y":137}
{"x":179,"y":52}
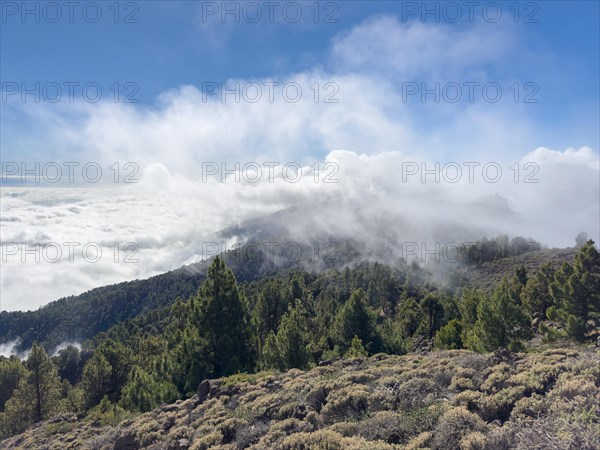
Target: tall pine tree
{"x":576,"y":293}
{"x":356,"y":319}
{"x":38,"y":394}
{"x":96,"y":379}
{"x":292,"y":339}
{"x":44,"y":382}
{"x":535,"y":295}
{"x":500,"y":321}
{"x":223,"y":319}
{"x":12,"y":372}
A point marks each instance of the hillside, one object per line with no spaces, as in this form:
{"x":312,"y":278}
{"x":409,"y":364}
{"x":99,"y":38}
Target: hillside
{"x":287,"y":355}
{"x":440,"y":400}
{"x":489,"y":274}
{"x":82,"y":317}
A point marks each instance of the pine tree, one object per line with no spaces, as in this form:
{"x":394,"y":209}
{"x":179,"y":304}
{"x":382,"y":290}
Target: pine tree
{"x":96,"y":379}
{"x":271,"y":359}
{"x":140,"y":392}
{"x":584,"y":284}
{"x":433,"y":313}
{"x":268,"y":310}
{"x":356,"y":349}
{"x":558,"y":288}
{"x":520,"y":275}
{"x":19,"y":410}
{"x":393,"y":340}
{"x":467,"y":306}
{"x":576,"y":293}
{"x":535,"y":296}
{"x":12,"y":372}
{"x":68,"y":362}
{"x":143,"y":392}
{"x":191,"y":361}
{"x":120,"y":359}
{"x":38,"y":393}
{"x":409,"y":316}
{"x":449,"y":336}
{"x":297,"y":290}
{"x":500,"y":321}
{"x":355,"y":319}
{"x":44,"y":381}
{"x":223,"y":318}
{"x":187,"y":361}
{"x":292,"y":339}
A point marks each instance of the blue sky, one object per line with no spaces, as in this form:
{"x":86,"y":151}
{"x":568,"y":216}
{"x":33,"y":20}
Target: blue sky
{"x":170,"y":46}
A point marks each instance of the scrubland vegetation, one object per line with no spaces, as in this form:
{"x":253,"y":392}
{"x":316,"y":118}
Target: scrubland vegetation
{"x":438,"y":400}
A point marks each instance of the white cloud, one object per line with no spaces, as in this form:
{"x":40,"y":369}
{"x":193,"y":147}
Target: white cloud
{"x":170,"y":216}
{"x":6,"y":349}
{"x":416,"y":49}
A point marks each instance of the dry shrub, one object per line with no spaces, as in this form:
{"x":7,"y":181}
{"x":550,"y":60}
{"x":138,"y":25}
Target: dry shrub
{"x":416,"y":393}
{"x":443,"y":378}
{"x":474,"y":361}
{"x":496,"y":378}
{"x":473,"y":441}
{"x":461,"y":383}
{"x":329,"y":440}
{"x":500,"y":405}
{"x":317,"y":398}
{"x":570,"y":389}
{"x":538,"y":379}
{"x":357,"y":378}
{"x":382,"y":399}
{"x":207,"y":441}
{"x":528,"y":408}
{"x":349,"y":403}
{"x":469,"y":399}
{"x":453,"y":426}
{"x":250,"y":435}
{"x":384,"y":426}
{"x":420,"y":442}
{"x":537,"y":400}
{"x":556,"y":433}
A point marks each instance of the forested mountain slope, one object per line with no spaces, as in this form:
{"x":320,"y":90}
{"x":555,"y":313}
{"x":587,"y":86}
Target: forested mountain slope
{"x":77,"y":318}
{"x":81,"y":317}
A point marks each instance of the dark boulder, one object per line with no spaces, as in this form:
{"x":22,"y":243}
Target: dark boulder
{"x":203,"y":391}
{"x":126,"y":442}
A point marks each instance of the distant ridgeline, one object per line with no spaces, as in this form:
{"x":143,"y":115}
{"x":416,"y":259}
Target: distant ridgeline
{"x":485,"y":250}
{"x":76,"y":318}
